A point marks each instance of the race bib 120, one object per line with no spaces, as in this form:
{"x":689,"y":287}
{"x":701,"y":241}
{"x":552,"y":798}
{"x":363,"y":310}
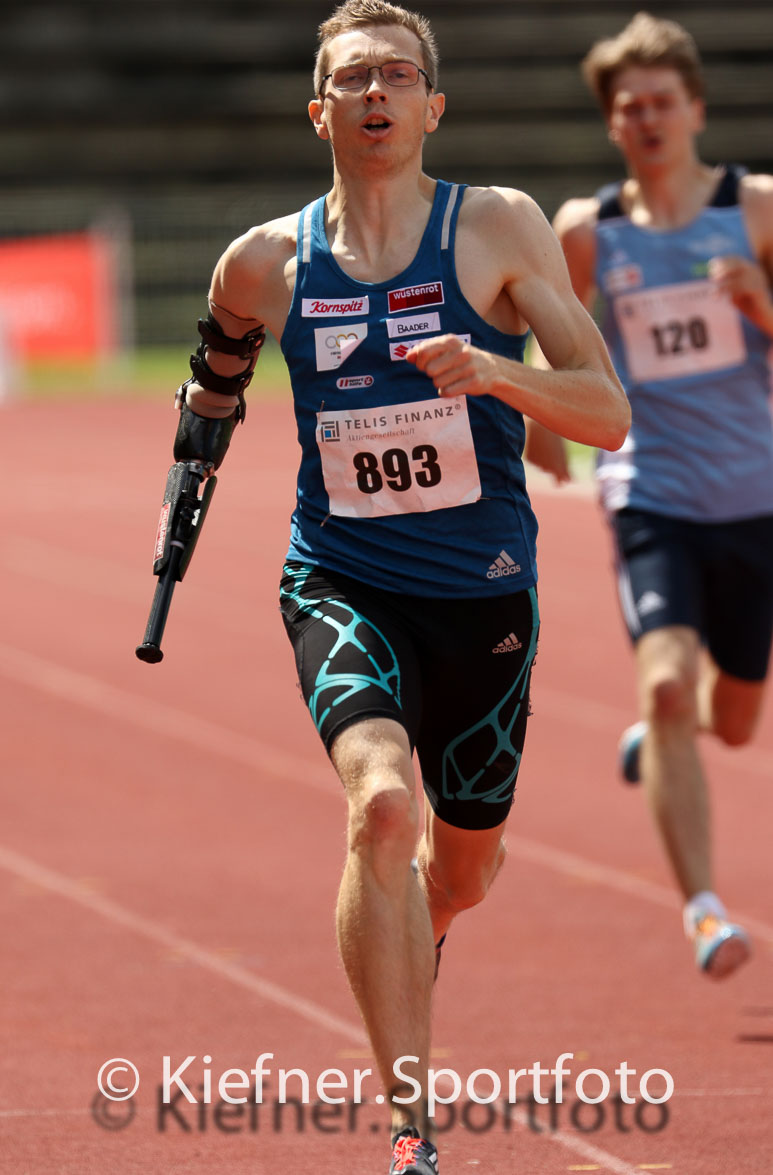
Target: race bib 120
{"x":684,"y":329}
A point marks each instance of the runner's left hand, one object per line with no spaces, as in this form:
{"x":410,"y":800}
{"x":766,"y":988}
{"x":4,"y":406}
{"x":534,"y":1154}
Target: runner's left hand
{"x":746,"y":284}
{"x":455,"y":368}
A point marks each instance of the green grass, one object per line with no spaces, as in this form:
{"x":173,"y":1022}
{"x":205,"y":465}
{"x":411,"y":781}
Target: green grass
{"x":156,"y":372}
{"x":148,"y":371}
{"x":582,"y":461}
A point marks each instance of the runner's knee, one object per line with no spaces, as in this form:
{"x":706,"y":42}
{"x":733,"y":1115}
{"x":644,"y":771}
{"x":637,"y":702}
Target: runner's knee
{"x":734,"y":727}
{"x":461,"y":886}
{"x":670,"y":697}
{"x":383,"y":818}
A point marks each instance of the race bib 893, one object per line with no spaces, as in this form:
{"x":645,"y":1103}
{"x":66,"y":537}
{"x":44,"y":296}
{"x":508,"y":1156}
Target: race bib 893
{"x":398,"y":459}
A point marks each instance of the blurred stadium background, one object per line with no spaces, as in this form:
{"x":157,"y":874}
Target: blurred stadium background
{"x":147,"y":134}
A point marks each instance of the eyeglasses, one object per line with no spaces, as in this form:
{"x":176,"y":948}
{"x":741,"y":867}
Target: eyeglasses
{"x":356,"y":77}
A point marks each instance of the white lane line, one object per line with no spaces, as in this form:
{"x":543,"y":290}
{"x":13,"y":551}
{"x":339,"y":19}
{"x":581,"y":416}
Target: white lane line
{"x":161,"y":718}
{"x":194,"y":731}
{"x":588,"y":713}
{"x":605,"y":875}
{"x":65,"y":887}
{"x":572,"y":1142}
{"x":170,"y":722}
{"x":103,"y":578}
{"x":723,"y":1093}
{"x":585,"y":1150}
{"x":41,"y":1113}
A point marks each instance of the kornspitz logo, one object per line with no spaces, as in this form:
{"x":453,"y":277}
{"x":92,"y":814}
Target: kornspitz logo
{"x":324,"y":307}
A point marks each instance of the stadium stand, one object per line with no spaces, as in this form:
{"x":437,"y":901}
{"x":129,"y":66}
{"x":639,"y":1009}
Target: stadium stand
{"x":185,"y":121}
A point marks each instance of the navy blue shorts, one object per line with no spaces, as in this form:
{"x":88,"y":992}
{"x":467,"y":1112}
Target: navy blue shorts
{"x":713,"y":577}
{"x":454,"y":673}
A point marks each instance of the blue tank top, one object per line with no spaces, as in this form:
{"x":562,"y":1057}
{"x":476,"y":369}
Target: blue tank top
{"x":696,"y":371}
{"x":397,"y":486}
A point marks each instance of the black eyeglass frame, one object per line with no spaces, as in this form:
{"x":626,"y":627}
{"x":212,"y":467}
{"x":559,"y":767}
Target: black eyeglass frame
{"x":380,"y":68}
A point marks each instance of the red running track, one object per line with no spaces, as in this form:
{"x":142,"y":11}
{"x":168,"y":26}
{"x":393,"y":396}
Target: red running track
{"x":172,"y":838}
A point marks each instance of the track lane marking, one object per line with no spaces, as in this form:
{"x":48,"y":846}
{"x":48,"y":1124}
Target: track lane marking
{"x":172,"y":722}
{"x":75,"y":891}
{"x":64,"y":887}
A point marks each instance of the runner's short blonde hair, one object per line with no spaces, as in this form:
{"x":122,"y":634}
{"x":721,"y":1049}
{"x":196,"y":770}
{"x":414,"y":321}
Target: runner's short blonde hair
{"x":357,"y":14}
{"x":649,"y":42}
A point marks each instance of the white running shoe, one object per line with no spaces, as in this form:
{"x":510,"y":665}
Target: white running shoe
{"x":720,"y":946}
{"x":629,"y":751}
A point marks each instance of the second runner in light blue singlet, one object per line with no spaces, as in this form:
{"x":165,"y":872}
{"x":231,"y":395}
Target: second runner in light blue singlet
{"x":697,"y":372}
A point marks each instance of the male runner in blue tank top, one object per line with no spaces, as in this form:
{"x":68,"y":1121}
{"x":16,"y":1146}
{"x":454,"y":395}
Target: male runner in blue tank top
{"x":401,"y":305}
{"x":682,"y":256}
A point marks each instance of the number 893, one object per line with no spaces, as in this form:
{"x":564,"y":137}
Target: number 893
{"x":395,"y":469}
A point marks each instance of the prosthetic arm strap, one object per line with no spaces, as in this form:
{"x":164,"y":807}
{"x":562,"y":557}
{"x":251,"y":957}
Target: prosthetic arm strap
{"x":247,"y":348}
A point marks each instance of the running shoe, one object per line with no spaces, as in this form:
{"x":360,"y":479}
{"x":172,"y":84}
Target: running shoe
{"x":720,"y":946}
{"x":629,"y":751}
{"x":412,"y":1154}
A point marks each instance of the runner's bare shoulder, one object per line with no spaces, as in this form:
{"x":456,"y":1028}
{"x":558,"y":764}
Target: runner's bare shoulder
{"x":495,"y":210}
{"x":576,"y":219}
{"x":757,"y":194}
{"x":756,"y":198}
{"x":256,"y":273}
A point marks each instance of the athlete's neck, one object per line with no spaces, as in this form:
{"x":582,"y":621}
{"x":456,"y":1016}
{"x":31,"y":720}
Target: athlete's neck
{"x":669,"y":198}
{"x":374,"y":227}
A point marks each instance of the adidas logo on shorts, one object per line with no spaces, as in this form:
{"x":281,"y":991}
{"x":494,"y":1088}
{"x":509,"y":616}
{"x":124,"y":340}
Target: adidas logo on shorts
{"x":650,"y":602}
{"x":508,"y":645}
{"x":502,"y":565}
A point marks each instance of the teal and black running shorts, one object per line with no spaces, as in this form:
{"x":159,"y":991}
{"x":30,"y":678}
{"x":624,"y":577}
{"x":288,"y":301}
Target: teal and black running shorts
{"x":454,"y":673}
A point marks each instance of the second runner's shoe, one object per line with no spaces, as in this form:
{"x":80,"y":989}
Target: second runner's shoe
{"x":720,"y":946}
{"x":629,"y":751}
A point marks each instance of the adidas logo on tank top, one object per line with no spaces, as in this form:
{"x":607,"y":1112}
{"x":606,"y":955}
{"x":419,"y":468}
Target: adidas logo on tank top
{"x":503,"y":565}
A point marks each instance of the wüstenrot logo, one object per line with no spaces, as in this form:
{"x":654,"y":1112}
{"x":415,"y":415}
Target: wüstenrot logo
{"x":415,"y":297}
{"x":324,"y":307}
{"x":509,"y":645}
{"x":503,"y":565}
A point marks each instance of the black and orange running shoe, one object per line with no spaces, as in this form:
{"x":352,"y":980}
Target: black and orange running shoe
{"x":412,"y":1154}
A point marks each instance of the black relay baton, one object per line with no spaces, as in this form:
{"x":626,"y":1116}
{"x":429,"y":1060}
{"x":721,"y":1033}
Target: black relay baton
{"x":182,"y":515}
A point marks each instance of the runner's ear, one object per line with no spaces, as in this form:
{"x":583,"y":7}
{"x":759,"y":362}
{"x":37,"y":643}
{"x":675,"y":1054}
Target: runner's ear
{"x":317,"y":116}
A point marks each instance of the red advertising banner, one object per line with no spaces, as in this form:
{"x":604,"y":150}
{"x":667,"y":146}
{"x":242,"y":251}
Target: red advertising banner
{"x":58,"y":296}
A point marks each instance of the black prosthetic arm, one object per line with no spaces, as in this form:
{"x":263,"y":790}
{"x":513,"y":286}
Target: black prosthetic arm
{"x":189,"y":489}
{"x":200,"y":445}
